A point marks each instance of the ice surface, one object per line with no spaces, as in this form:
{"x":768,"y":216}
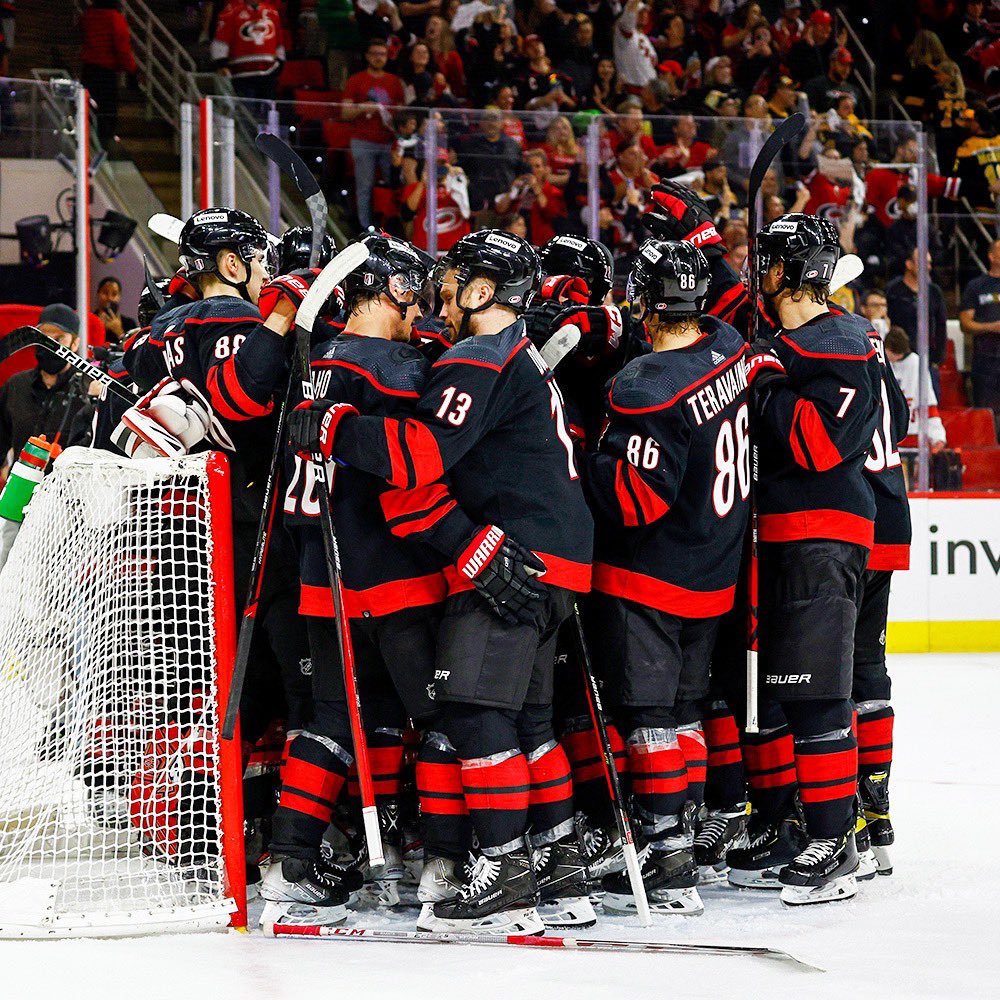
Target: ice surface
{"x":931,"y":930}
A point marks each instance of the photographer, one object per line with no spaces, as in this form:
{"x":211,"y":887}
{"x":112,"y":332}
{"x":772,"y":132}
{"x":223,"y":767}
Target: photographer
{"x":108,"y":309}
{"x":534,"y":196}
{"x":452,"y":205}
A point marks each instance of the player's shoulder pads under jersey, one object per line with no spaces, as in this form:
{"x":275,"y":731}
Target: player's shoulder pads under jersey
{"x":495,"y":351}
{"x":392,"y":368}
{"x":843,"y":336}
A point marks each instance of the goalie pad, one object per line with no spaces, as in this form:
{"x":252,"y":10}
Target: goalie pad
{"x":167,"y":422}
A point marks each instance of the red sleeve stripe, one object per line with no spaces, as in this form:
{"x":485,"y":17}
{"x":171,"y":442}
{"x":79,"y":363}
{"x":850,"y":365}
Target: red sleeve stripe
{"x":626,"y":501}
{"x":399,"y":472}
{"x":467,"y":361}
{"x":728,"y":300}
{"x":653,"y":507}
{"x":810,"y":443}
{"x":816,"y":354}
{"x":220,"y":398}
{"x":384,"y":389}
{"x":193,"y":321}
{"x":403,"y":528}
{"x":421,"y":446}
{"x":403,"y":503}
{"x":683,"y":392}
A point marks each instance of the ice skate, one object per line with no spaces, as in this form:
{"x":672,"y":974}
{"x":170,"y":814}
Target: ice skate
{"x":720,"y":831}
{"x":441,"y":879}
{"x":867,"y":863}
{"x":561,"y":874}
{"x":875,"y":799}
{"x":500,"y":897}
{"x":670,"y":877}
{"x":824,"y":872}
{"x":602,"y":849}
{"x":770,"y":846}
{"x":381,"y":883}
{"x":300,"y":891}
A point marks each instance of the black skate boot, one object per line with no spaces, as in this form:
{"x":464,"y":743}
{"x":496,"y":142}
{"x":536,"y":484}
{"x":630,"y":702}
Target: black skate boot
{"x":718,"y":833}
{"x":500,"y":896}
{"x":381,"y":883}
{"x":561,"y":874}
{"x":822,"y":873}
{"x":300,"y":891}
{"x":875,"y":799}
{"x":770,"y":845}
{"x":602,"y":849}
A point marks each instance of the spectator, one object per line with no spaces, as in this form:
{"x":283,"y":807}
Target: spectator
{"x":809,"y":56}
{"x":977,"y":160}
{"x":108,"y":309}
{"x":687,"y":151}
{"x":901,"y":297}
{"x":788,"y":28}
{"x":608,"y":90}
{"x":512,"y":125}
{"x":105,"y":52}
{"x":906,"y":367}
{"x":875,"y":309}
{"x":367,"y":100}
{"x":629,"y":126}
{"x":247,"y":48}
{"x":580,"y":61}
{"x":516,"y":224}
{"x":440,"y":40}
{"x":423,"y":84}
{"x":490,"y":55}
{"x":634,"y":54}
{"x":537,"y":198}
{"x":740,"y":28}
{"x":491,"y":160}
{"x":979,"y":316}
{"x":944,"y":111}
{"x":453,"y":211}
{"x":714,"y":188}
{"x":734,"y":235}
{"x":760,"y":58}
{"x":741,"y":145}
{"x":561,"y":148}
{"x":823,"y":91}
{"x":676,"y":44}
{"x":44,"y":399}
{"x":415,"y":14}
{"x":925,"y":53}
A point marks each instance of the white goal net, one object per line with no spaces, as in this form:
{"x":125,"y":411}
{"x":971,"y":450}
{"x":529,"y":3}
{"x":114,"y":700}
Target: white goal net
{"x":120,"y":809}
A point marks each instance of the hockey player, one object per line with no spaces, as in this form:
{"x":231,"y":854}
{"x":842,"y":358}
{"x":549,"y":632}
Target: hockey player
{"x":296,"y":246}
{"x":392,"y":589}
{"x":491,"y":418}
{"x":816,"y":391}
{"x":669,"y":486}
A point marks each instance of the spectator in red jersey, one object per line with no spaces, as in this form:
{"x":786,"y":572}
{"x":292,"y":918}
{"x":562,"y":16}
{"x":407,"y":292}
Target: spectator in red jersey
{"x":452,"y":205}
{"x":247,"y":47}
{"x":629,"y":126}
{"x":105,"y":53}
{"x":740,"y":28}
{"x":789,"y":27}
{"x":512,"y":125}
{"x":561,"y":149}
{"x":367,"y":99}
{"x":441,"y":41}
{"x":686,"y":152}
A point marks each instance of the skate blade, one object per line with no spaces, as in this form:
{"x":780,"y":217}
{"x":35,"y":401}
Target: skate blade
{"x":834,"y":891}
{"x":867,"y":866}
{"x":745,"y":878}
{"x":380,"y":894}
{"x":573,"y":911}
{"x":883,"y":862}
{"x":671,"y":902}
{"x":524,"y":921}
{"x":712,"y":875}
{"x":301,"y":915}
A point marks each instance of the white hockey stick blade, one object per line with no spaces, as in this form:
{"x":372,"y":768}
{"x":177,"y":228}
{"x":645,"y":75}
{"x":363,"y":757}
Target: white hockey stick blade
{"x":169,"y":227}
{"x":560,"y":344}
{"x":638,"y":886}
{"x":333,"y":274}
{"x":848,"y":268}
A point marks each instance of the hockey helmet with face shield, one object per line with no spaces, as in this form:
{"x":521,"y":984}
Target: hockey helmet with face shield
{"x":583,"y":258}
{"x":394,"y":268}
{"x":670,"y":278}
{"x":296,"y":246}
{"x":807,"y":245}
{"x":207,"y":233}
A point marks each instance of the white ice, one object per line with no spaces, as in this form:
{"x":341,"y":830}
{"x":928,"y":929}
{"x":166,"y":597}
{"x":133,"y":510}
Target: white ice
{"x":932,"y":929}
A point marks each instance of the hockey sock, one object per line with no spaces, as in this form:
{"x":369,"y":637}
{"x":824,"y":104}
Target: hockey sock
{"x":691,"y":738}
{"x":725,"y":780}
{"x":875,"y":721}
{"x":314,"y":775}
{"x":496,"y":794}
{"x":770,"y":764}
{"x":447,"y":830}
{"x":659,"y":779}
{"x":550,"y":794}
{"x":583,"y":748}
{"x":385,"y":756}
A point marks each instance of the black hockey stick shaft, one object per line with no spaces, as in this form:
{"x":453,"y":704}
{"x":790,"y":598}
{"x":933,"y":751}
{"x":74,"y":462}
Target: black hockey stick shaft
{"x":786,"y":131}
{"x":289,"y":162}
{"x":30,"y":336}
{"x":622,"y":820}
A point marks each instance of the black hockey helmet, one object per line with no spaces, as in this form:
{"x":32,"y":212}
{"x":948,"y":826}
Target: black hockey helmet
{"x":150,"y":301}
{"x":295,"y":247}
{"x":671,"y":277}
{"x":584,"y":258}
{"x":388,"y":258}
{"x":507,"y":260}
{"x":808,"y":245}
{"x":213,"y":230}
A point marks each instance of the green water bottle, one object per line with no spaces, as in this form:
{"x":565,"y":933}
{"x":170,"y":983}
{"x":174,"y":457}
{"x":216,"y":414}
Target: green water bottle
{"x":25,"y":475}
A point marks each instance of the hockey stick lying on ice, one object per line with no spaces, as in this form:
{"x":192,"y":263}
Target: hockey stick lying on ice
{"x":332,"y":275}
{"x":30,"y":336}
{"x":522,"y":941}
{"x":611,"y":775}
{"x":787,"y":130}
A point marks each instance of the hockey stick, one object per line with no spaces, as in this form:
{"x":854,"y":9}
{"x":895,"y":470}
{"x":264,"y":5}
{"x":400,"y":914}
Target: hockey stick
{"x":31,"y":336}
{"x":332,"y":275}
{"x":787,"y":130}
{"x":848,"y":268}
{"x":304,"y":320}
{"x":546,"y":941}
{"x":611,"y":774}
{"x":151,"y":284}
{"x":278,"y":151}
{"x":169,"y":227}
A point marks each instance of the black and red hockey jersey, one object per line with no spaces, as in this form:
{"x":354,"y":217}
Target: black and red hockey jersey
{"x":884,"y":472}
{"x":491,"y":417}
{"x":727,"y":297}
{"x":219,"y":348}
{"x":814,"y":433}
{"x":670,"y":483}
{"x":381,"y":574}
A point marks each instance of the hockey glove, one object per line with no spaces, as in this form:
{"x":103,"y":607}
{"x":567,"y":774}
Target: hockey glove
{"x":764,"y":369}
{"x":502,"y":571}
{"x":600,"y":330}
{"x":678,"y":213}
{"x":167,"y":422}
{"x":291,"y":287}
{"x":182,"y":286}
{"x":312,"y":426}
{"x":565,"y":288}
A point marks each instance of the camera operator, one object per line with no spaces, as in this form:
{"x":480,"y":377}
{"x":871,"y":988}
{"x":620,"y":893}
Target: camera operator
{"x":108,"y":308}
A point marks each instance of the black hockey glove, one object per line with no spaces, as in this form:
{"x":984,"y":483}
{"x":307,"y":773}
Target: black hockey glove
{"x":502,"y":571}
{"x":678,"y":213}
{"x":600,"y":330}
{"x":558,"y":292}
{"x":312,"y":426}
{"x":292,"y":287}
{"x":764,"y":370}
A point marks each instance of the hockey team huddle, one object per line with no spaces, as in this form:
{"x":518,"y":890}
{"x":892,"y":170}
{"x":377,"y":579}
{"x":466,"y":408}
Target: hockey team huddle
{"x":528,"y":481}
